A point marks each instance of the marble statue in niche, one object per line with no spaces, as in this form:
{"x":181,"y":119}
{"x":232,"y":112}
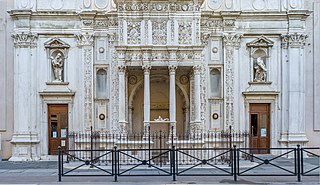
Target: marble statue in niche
{"x":57,"y":63}
{"x":260,"y":71}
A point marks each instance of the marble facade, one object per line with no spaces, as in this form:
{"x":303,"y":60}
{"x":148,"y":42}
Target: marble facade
{"x":157,"y":57}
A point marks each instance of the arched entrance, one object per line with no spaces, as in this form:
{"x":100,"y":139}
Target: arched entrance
{"x":159,"y":105}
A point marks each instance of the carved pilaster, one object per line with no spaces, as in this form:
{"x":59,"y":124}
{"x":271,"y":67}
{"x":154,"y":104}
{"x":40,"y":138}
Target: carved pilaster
{"x":85,"y":42}
{"x":24,"y":39}
{"x":122,"y":99}
{"x":232,"y":41}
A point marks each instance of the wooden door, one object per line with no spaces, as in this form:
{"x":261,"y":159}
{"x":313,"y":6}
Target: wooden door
{"x":57,"y":128}
{"x":260,"y":127}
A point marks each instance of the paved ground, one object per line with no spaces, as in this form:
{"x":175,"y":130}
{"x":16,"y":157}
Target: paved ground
{"x":45,"y":172}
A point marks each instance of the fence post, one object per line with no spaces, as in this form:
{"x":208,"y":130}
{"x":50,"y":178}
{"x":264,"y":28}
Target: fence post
{"x":234,"y":150}
{"x":298,"y":162}
{"x":173,"y":163}
{"x":59,"y":163}
{"x":91,"y":146}
{"x":149,"y":144}
{"x":115,"y":164}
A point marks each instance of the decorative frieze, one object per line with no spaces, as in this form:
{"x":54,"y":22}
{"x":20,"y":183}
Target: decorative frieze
{"x":229,"y":22}
{"x":211,"y":23}
{"x":24,"y":39}
{"x":159,"y":7}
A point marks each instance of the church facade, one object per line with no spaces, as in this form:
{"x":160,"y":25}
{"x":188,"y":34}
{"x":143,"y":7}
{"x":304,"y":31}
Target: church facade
{"x":180,"y":66}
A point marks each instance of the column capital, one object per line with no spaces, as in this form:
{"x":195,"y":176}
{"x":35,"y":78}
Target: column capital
{"x":293,"y":40}
{"x":172,"y":68}
{"x":122,"y":68}
{"x":24,"y":39}
{"x":284,"y":41}
{"x":85,"y":39}
{"x":232,"y":39}
{"x":146,"y":68}
{"x":197,"y":69}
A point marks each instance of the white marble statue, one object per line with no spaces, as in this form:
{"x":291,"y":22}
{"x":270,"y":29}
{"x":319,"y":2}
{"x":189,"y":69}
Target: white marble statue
{"x":57,"y":67}
{"x":260,"y":74}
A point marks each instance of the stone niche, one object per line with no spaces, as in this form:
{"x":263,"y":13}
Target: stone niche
{"x":260,"y":65}
{"x":57,"y":54}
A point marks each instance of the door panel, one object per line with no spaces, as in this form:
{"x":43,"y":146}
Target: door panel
{"x":260,"y":127}
{"x":57,"y":128}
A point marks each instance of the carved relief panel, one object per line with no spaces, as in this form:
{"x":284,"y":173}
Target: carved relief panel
{"x":134,"y":33}
{"x":57,"y":54}
{"x":185,"y":32}
{"x":159,"y":32}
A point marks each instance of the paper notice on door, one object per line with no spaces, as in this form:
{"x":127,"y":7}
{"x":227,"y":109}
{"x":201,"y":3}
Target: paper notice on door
{"x":63,"y":132}
{"x":263,"y":132}
{"x":54,"y":134}
{"x":63,"y":143}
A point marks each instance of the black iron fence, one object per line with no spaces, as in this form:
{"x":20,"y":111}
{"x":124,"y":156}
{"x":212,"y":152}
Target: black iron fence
{"x":170,"y":161}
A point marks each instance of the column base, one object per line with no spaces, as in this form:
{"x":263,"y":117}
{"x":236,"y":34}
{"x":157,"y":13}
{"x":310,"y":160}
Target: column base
{"x":25,"y":147}
{"x":291,"y":140}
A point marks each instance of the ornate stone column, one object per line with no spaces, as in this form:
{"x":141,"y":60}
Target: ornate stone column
{"x":85,"y":43}
{"x":172,"y":108}
{"x":197,"y":101}
{"x":122,"y":98}
{"x":296,"y":88}
{"x":232,"y":42}
{"x":24,"y":137}
{"x":146,"y":103}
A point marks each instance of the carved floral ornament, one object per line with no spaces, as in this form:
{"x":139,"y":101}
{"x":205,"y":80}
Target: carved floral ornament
{"x":24,"y":39}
